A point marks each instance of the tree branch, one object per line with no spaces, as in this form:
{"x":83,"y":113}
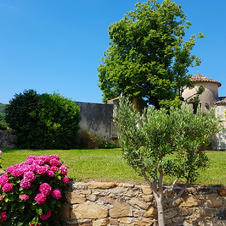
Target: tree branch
{"x":178,"y":195}
{"x":151,"y":184}
{"x":169,"y":188}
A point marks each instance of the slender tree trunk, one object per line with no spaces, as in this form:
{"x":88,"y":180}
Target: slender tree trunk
{"x":159,"y":201}
{"x":161,"y":221}
{"x":158,"y":195}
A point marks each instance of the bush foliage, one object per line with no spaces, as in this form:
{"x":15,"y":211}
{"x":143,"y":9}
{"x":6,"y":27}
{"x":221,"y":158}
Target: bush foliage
{"x":31,"y":192}
{"x":149,"y":140}
{"x":43,"y":121}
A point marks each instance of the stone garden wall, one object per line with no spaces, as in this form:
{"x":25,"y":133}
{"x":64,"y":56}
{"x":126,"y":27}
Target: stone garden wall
{"x":108,"y":203}
{"x":6,"y":137}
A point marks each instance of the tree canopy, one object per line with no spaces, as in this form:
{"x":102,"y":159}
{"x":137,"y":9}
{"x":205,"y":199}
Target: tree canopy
{"x":148,"y":56}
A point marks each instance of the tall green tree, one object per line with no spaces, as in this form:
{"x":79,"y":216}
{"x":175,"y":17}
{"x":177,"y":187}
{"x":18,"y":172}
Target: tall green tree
{"x":165,"y":142}
{"x":43,"y":121}
{"x":148,"y":56}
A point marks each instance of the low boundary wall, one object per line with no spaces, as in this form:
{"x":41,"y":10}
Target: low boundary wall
{"x":109,"y":203}
{"x":6,"y":139}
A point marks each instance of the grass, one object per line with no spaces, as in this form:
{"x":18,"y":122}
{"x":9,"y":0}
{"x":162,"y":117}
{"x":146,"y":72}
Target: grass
{"x":108,"y":164}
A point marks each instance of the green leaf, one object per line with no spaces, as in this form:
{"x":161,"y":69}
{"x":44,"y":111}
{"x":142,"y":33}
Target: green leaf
{"x":6,"y":199}
{"x":39,"y":211}
{"x":58,"y":203}
{"x":53,"y":201}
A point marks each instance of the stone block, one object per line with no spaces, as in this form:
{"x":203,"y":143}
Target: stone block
{"x":73,"y":198}
{"x":135,"y":202}
{"x":170,"y":213}
{"x":86,"y":192}
{"x":147,"y":190}
{"x":213,"y":202}
{"x":109,"y":200}
{"x":126,"y":220}
{"x":91,"y":197}
{"x":130,"y":193}
{"x":183,"y":211}
{"x":120,"y":210}
{"x":190,"y":201}
{"x":152,"y":212}
{"x":176,"y":202}
{"x":89,"y":211}
{"x":101,"y":185}
{"x":147,"y":198}
{"x":113,"y":222}
{"x":80,"y":185}
{"x":145,"y":223}
{"x":102,"y":222}
{"x":88,"y":223}
{"x":127,"y":185}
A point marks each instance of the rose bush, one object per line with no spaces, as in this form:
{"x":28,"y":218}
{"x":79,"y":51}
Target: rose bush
{"x":30,"y":192}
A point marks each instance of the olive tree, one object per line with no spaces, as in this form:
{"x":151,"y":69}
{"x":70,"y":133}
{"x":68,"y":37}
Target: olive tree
{"x":164,"y":142}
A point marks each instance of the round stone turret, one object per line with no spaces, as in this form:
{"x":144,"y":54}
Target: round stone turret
{"x":209,"y":96}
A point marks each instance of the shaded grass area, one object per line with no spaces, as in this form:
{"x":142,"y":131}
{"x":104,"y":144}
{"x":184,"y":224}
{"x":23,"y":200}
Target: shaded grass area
{"x":108,"y":164}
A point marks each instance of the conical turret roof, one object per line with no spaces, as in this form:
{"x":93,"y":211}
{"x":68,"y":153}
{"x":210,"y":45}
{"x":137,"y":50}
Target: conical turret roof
{"x":201,"y":78}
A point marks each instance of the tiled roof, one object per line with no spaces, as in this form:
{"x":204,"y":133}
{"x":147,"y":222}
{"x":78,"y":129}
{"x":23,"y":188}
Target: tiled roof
{"x":201,"y":78}
{"x":221,"y":101}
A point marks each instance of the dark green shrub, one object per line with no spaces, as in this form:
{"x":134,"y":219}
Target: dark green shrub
{"x":20,"y":116}
{"x":3,"y":125}
{"x":107,"y":145}
{"x":85,"y":138}
{"x":43,"y":121}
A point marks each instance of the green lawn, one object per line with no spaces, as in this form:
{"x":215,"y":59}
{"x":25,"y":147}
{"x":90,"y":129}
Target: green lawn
{"x":108,"y":164}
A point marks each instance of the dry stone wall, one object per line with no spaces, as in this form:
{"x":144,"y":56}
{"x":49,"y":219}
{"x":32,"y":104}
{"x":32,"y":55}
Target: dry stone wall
{"x":109,"y":203}
{"x":6,"y":139}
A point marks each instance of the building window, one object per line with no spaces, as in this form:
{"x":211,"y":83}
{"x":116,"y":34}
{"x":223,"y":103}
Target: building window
{"x":220,"y":111}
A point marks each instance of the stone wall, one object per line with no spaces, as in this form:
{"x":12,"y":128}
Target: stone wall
{"x":97,"y":119}
{"x":6,"y":137}
{"x":109,"y":203}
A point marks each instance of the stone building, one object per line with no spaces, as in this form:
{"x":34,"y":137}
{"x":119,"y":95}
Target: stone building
{"x":210,"y":98}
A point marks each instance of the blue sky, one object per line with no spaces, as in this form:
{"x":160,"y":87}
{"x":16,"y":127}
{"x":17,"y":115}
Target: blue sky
{"x":56,"y":46}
